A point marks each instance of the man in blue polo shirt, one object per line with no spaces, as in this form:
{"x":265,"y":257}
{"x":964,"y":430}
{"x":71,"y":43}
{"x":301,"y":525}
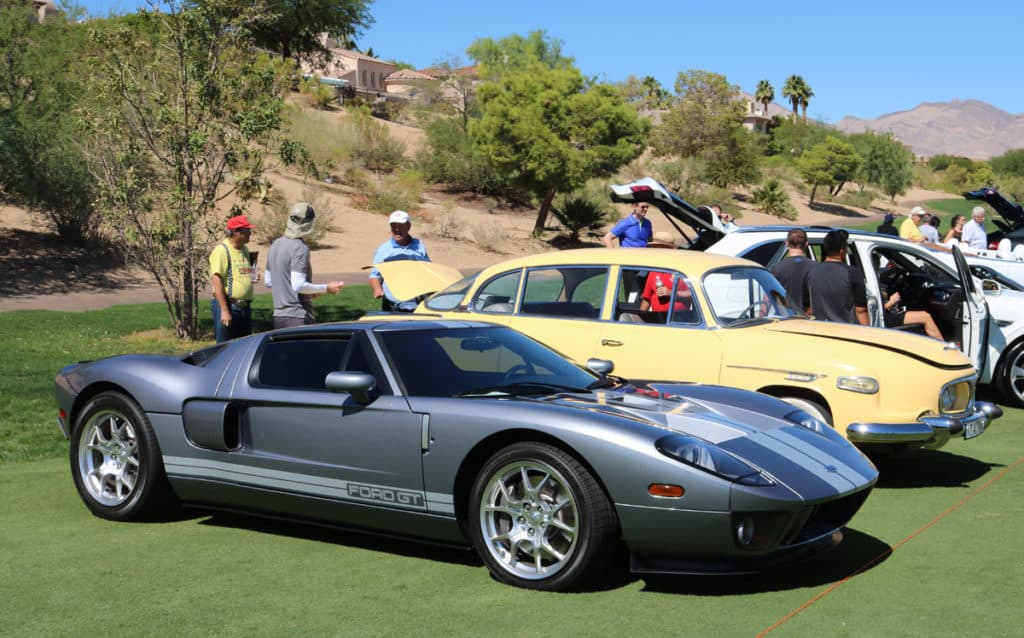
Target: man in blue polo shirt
{"x":401,"y":246}
{"x":633,"y":231}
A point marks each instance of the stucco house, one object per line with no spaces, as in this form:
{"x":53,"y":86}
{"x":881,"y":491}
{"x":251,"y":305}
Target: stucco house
{"x":44,"y":8}
{"x":366,"y":75}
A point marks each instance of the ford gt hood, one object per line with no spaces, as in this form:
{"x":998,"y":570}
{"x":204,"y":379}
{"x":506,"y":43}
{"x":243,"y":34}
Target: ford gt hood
{"x":930,"y":350}
{"x":409,"y":279}
{"x":811,"y":465}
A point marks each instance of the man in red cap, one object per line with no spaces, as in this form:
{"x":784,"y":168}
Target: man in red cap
{"x":232,"y":273}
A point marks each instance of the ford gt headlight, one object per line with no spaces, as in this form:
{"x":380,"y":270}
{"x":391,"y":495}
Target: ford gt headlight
{"x":711,"y":459}
{"x":806,"y":420}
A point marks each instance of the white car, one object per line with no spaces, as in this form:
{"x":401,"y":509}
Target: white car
{"x":984,"y":317}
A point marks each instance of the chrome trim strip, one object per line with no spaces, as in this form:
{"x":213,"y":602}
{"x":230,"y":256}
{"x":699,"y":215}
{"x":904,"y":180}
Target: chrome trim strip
{"x":424,"y":432}
{"x":973,"y":380}
{"x":798,"y":375}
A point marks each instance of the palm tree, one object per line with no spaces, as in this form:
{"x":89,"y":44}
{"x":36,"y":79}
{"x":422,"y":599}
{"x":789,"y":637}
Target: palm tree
{"x":805,"y":97}
{"x":764,"y":94}
{"x":792,"y":90}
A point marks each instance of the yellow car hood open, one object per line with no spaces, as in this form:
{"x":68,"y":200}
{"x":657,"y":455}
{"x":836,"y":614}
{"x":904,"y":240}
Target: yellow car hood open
{"x":408,"y":279}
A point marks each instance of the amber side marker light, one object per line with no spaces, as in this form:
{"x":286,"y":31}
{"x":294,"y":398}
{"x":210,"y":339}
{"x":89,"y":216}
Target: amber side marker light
{"x":666,"y":491}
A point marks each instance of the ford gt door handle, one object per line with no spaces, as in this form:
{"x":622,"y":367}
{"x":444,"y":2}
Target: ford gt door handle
{"x":611,"y":342}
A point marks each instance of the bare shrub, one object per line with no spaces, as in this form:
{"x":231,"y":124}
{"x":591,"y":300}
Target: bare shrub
{"x":392,"y":192}
{"x":272,"y":216}
{"x":447,"y":223}
{"x":490,"y":237}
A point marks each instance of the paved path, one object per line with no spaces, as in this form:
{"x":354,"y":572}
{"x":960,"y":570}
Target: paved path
{"x":92,"y":298}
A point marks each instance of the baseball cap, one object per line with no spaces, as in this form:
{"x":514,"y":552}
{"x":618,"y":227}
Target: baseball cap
{"x":399,"y":217}
{"x":917,"y":210}
{"x":238,"y":222}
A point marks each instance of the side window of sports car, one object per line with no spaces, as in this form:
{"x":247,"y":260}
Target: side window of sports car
{"x":300,"y":364}
{"x":565,"y":291}
{"x":498,"y":295}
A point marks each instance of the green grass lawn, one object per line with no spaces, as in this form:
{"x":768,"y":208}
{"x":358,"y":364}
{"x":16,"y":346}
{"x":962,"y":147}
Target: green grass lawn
{"x":934,"y":552}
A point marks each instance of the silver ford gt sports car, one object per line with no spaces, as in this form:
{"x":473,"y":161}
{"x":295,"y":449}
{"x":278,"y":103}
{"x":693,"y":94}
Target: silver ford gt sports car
{"x":467,"y":434}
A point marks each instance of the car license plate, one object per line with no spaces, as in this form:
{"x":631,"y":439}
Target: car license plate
{"x":973,"y":428}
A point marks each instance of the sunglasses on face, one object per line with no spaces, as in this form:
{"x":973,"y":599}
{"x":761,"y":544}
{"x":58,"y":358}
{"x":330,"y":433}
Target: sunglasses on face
{"x":643,"y":207}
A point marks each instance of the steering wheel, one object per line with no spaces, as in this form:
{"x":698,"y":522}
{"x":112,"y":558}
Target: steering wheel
{"x":758,"y":307}
{"x":518,"y":370}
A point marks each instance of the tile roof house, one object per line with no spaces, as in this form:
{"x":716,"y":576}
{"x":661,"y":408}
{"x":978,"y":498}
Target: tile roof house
{"x":363,"y":73}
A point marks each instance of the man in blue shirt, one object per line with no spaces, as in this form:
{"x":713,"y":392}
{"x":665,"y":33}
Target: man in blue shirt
{"x":401,"y":246}
{"x":633,"y":231}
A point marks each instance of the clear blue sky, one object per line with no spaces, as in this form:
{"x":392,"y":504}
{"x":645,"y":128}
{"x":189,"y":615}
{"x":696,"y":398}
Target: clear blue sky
{"x":864,"y":58}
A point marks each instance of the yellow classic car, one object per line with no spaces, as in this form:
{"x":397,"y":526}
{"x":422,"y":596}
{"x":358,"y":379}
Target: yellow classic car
{"x":662,"y":315}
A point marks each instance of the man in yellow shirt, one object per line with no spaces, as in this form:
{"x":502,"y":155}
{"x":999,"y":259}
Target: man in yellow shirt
{"x":909,"y":228}
{"x":231,"y":276}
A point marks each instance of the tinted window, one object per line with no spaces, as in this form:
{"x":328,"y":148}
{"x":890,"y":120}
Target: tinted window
{"x":300,"y":364}
{"x":451,"y":361}
{"x":567,"y":291}
{"x":763,"y":253}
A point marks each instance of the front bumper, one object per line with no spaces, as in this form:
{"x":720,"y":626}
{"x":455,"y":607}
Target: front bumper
{"x":930,"y":432}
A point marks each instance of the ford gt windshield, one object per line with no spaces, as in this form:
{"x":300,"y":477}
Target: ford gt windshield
{"x":479,"y":360}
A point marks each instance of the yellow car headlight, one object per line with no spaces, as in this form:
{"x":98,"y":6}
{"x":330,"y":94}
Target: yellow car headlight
{"x":863,"y":385}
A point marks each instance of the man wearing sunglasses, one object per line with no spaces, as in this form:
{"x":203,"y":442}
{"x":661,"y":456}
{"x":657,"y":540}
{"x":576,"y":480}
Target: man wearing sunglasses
{"x":633,"y":231}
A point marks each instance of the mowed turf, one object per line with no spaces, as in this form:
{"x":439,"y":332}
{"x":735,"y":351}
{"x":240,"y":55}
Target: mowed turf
{"x":938,"y":541}
{"x":934,"y":551}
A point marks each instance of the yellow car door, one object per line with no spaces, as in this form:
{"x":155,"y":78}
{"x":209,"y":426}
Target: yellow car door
{"x":561,"y":306}
{"x":666,"y":340}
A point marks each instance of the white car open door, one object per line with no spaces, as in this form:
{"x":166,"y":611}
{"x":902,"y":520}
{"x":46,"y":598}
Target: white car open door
{"x":975,"y":318}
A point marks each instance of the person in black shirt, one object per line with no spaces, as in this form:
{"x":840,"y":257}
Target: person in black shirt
{"x":792,"y":270}
{"x":837,"y":290}
{"x":888,"y":227}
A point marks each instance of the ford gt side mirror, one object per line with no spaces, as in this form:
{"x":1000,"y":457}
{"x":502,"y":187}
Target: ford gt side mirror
{"x":600,"y":366}
{"x":358,"y":384}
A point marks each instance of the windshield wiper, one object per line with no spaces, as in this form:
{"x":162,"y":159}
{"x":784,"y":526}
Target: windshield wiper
{"x":607,"y":381}
{"x":523,"y":388}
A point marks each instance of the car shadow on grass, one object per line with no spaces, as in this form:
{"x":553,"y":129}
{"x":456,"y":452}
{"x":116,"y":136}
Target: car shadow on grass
{"x":930,"y":468}
{"x":858,"y":553}
{"x":368,"y":541}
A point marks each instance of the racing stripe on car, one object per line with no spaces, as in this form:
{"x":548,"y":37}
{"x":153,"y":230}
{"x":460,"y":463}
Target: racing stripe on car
{"x":800,"y":439}
{"x":806,"y":477}
{"x":798,"y":454}
{"x":309,"y":484}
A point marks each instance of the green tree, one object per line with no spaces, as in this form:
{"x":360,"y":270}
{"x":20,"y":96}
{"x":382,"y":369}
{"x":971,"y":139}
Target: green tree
{"x":703,"y":118}
{"x":738,"y":163}
{"x":828,"y":163}
{"x":798,"y":94}
{"x":1009,"y":163}
{"x":515,"y":53}
{"x":182,"y":99}
{"x":646,"y":93}
{"x":793,"y":138}
{"x":887,"y":163}
{"x":41,"y":165}
{"x":764,"y":94}
{"x":293,"y":27}
{"x":771,"y":198}
{"x":541,"y":127}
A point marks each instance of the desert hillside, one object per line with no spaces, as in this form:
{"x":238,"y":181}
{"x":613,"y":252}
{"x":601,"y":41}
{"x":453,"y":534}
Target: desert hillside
{"x":969,"y":128}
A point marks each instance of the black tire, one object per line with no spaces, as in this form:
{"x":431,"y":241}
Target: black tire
{"x":116,"y":461}
{"x":558,"y":517}
{"x":813,"y":408}
{"x":1010,"y":375}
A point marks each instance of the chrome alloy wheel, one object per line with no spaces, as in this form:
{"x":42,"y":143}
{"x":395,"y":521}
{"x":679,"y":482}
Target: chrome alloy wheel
{"x":108,"y":457}
{"x":529,"y":519}
{"x":1015,"y":375}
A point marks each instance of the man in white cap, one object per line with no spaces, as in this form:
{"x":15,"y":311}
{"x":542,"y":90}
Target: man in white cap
{"x":289,"y":268}
{"x":400,"y":246}
{"x":974,"y":234}
{"x":909,"y":228}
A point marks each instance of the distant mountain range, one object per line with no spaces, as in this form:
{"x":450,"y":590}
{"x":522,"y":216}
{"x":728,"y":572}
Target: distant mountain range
{"x":969,"y":128}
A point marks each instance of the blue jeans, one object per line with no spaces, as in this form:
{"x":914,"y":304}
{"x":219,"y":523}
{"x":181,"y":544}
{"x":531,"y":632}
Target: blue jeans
{"x":241,"y":322}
